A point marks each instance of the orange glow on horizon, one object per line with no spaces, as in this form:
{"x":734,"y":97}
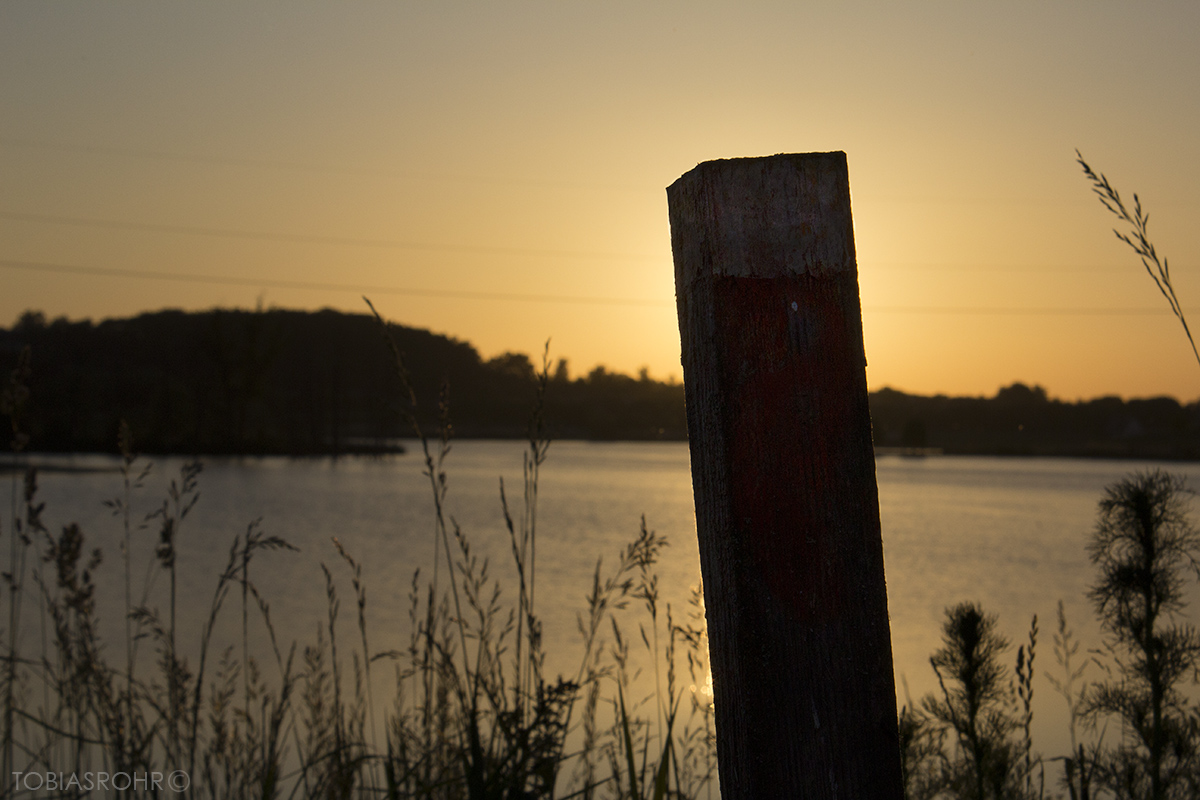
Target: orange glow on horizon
{"x":499,"y":176}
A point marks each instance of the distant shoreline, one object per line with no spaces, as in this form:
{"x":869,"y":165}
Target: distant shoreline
{"x":50,"y":461}
{"x":316,"y":384}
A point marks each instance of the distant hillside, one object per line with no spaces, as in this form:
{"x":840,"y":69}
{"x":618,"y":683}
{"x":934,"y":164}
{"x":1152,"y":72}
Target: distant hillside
{"x":322,"y":382}
{"x":299,"y":383}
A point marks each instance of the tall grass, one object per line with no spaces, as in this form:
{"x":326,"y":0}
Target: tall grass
{"x":473,"y":712}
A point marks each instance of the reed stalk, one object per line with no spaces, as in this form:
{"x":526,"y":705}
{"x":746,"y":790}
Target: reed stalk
{"x":1138,"y":239}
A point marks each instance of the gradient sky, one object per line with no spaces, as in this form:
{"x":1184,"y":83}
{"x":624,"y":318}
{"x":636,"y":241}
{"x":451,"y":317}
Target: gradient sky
{"x":496,"y":171}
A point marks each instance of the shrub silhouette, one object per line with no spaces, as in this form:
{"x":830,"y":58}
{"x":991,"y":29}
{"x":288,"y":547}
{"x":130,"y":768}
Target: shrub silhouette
{"x":1143,"y":546}
{"x":978,"y":707}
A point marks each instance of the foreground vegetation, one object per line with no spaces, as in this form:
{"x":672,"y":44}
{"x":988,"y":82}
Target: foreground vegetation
{"x":1134,"y":729}
{"x":464,"y":711}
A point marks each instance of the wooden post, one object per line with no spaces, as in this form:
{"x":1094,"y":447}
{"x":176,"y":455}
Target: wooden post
{"x":783,"y":470}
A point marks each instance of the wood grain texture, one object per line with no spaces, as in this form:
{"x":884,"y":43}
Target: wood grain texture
{"x":783,"y":471}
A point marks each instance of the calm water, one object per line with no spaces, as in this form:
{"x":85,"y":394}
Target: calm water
{"x":1008,"y":533}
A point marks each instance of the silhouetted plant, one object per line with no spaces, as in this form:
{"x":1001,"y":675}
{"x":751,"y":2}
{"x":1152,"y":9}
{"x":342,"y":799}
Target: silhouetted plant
{"x":922,"y":759}
{"x":1138,"y":239}
{"x":1025,"y":657}
{"x":977,"y":706}
{"x":132,"y":478}
{"x":1079,"y":767}
{"x":1143,"y":547}
{"x":181,"y":498}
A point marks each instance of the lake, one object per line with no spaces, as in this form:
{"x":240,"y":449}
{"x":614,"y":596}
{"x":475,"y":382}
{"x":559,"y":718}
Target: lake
{"x":1006,"y":532}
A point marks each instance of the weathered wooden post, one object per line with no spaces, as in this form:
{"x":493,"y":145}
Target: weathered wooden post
{"x":783,"y":471}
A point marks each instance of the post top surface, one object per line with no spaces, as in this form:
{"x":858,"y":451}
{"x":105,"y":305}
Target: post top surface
{"x":741,"y":163}
{"x":786,"y":214}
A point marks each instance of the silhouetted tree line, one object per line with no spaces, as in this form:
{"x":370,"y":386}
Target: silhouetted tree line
{"x":296,"y":382}
{"x":1021,"y":420}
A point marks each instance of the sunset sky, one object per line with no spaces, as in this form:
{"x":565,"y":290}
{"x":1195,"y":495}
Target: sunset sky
{"x":496,"y":171}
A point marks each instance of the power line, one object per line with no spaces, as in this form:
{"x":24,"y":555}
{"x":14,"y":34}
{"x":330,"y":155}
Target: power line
{"x":400,"y":244}
{"x":305,"y":166}
{"x":304,"y":238}
{"x":231,"y":280}
{"x":164,"y":155}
